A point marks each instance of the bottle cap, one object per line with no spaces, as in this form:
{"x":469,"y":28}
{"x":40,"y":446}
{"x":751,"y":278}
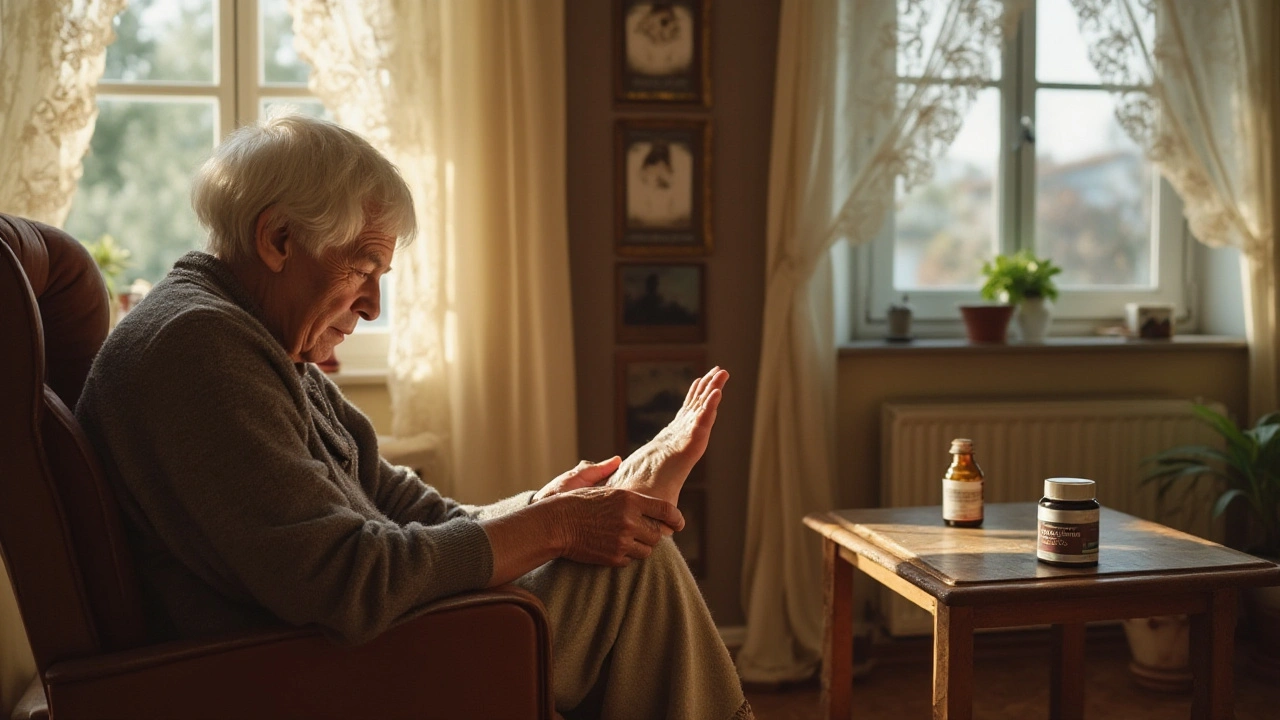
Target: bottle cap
{"x":1069,"y":489}
{"x":961,"y":445}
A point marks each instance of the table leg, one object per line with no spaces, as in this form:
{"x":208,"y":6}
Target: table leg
{"x":1066,"y":676}
{"x":1212,"y":651}
{"x":837,"y":646}
{"x":952,"y":663}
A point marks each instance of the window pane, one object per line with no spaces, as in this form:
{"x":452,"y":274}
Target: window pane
{"x":1061,"y":55}
{"x":944,"y":230}
{"x":280,"y":64}
{"x":137,"y":179}
{"x":311,"y":107}
{"x":163,"y":41}
{"x":1093,"y":191}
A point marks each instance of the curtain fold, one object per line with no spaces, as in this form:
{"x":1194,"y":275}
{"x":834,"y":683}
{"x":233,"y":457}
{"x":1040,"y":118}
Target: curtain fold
{"x":467,"y":98}
{"x":844,"y":131}
{"x":51,"y":58}
{"x":1195,"y":88}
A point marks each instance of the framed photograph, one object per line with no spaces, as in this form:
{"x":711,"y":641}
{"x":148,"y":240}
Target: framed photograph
{"x":661,"y":302}
{"x":662,"y":199}
{"x":651,"y":387}
{"x":662,"y":51}
{"x":692,"y":540}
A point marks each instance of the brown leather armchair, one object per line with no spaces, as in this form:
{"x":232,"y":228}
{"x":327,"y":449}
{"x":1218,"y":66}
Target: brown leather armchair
{"x":476,"y":655}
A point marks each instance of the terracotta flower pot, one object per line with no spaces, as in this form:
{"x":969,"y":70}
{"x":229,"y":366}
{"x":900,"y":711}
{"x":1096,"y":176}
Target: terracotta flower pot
{"x":987,"y":324}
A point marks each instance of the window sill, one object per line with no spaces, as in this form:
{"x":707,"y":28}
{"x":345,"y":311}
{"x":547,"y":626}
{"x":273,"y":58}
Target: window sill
{"x":1053,"y":345}
{"x":358,"y":378}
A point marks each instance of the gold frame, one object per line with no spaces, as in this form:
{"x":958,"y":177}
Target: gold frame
{"x":701,"y":53}
{"x":700,"y":132}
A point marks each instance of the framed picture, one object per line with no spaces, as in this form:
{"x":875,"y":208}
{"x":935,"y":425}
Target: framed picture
{"x":651,"y":387}
{"x":662,"y":51}
{"x":692,"y":540}
{"x":661,"y":302}
{"x":662,"y":198}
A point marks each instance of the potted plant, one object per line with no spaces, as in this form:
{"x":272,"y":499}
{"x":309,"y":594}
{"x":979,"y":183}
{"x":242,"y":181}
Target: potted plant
{"x":112,"y":259}
{"x":1246,"y":473}
{"x":1026,"y":282}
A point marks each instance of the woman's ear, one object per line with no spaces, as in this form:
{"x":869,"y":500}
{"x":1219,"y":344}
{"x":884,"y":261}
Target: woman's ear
{"x":271,"y":239}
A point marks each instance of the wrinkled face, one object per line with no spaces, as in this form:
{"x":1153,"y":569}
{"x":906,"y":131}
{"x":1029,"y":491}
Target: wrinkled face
{"x":319,"y":300}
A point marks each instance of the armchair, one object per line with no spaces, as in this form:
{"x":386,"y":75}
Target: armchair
{"x":476,"y":655}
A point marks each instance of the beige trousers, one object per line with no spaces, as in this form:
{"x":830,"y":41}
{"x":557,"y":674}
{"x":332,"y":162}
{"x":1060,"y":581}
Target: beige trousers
{"x":635,"y":642}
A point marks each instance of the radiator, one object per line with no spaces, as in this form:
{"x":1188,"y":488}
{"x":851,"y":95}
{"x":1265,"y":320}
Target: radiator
{"x":1019,"y":444}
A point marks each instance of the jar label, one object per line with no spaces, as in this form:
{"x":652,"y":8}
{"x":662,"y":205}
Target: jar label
{"x":962,"y":500}
{"x":1068,"y":541}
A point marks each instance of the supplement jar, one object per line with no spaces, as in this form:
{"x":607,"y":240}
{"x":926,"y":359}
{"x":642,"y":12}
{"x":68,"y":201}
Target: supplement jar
{"x":1068,"y":523}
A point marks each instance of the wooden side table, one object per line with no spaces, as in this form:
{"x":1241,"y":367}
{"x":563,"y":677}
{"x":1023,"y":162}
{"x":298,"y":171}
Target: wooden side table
{"x":989,"y":578}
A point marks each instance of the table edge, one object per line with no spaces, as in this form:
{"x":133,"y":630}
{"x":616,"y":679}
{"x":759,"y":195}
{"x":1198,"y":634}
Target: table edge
{"x":1259,"y":573}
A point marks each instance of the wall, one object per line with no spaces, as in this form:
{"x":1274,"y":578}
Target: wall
{"x":743,"y":50}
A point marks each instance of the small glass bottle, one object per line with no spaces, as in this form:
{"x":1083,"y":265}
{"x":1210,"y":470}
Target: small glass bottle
{"x":962,"y":487}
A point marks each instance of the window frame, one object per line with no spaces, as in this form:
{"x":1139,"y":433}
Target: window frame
{"x":865,"y":275}
{"x":237,"y":88}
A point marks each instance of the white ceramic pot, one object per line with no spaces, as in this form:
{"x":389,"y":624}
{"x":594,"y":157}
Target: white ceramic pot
{"x":1161,"y":648}
{"x":1034,"y":315}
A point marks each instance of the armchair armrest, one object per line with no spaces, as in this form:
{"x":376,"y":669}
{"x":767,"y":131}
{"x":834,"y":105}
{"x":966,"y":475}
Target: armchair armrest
{"x":482,"y":654}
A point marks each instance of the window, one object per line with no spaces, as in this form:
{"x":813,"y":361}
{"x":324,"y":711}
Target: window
{"x":1040,"y":163}
{"x":180,"y":75}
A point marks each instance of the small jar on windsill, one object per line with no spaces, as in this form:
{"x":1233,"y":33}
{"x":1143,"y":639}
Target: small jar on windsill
{"x":1068,"y":517}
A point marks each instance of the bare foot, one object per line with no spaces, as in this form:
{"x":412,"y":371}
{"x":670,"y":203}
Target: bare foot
{"x":660,"y":467}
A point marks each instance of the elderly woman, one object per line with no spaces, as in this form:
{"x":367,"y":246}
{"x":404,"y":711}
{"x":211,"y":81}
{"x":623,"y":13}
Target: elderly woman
{"x":254,"y":492}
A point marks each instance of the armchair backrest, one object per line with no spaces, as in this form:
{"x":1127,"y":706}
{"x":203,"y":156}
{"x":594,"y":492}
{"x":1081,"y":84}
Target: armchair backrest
{"x":60,"y":528}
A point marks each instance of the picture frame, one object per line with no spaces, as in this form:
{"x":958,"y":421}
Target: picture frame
{"x":651,"y":385}
{"x":661,"y":302}
{"x":662,"y":194}
{"x":662,"y":52}
{"x":692,"y":540}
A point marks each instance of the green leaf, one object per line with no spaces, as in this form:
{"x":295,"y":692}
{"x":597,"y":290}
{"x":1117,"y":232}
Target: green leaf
{"x":1223,"y":426}
{"x":1019,"y":276}
{"x":1225,"y":499}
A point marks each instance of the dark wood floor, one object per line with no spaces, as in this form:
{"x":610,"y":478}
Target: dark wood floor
{"x":1012,"y":683}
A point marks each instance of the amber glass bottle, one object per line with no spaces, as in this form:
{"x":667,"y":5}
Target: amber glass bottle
{"x":962,"y":487}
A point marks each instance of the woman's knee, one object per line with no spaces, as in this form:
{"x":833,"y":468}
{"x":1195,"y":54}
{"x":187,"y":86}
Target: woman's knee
{"x":666,"y":558}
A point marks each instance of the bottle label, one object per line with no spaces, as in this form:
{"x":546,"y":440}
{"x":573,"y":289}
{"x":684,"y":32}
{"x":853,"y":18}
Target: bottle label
{"x":1067,"y":536}
{"x":962,"y":500}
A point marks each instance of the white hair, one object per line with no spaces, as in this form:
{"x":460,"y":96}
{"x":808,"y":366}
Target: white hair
{"x":322,"y":182}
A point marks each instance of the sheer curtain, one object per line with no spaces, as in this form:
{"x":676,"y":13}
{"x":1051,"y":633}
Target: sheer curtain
{"x":51,"y":58}
{"x":467,"y":98}
{"x":1195,"y":86}
{"x":844,"y":131}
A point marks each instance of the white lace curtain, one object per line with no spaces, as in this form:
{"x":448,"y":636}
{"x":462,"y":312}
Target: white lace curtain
{"x":1195,"y":86}
{"x":467,"y":98}
{"x":51,"y":58}
{"x":844,"y":131}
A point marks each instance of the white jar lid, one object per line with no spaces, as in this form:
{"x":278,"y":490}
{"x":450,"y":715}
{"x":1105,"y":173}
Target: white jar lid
{"x":1069,"y":489}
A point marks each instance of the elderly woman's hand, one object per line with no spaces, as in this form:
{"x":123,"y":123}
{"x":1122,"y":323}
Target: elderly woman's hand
{"x":612,"y":526}
{"x":586,"y":474}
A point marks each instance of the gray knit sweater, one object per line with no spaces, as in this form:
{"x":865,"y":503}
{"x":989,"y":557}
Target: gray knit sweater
{"x":252,"y":492}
